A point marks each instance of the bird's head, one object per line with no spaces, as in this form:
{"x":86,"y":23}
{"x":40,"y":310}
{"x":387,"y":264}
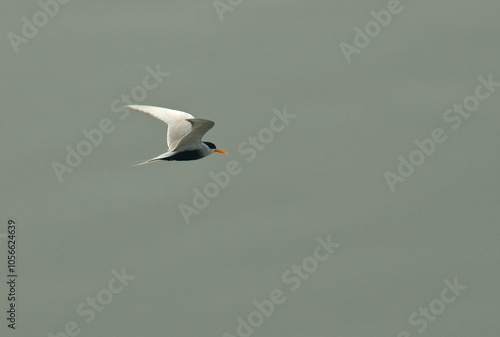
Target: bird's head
{"x":214,"y":148}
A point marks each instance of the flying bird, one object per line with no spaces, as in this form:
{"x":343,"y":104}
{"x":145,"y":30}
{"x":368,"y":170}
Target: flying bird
{"x":184,"y":134}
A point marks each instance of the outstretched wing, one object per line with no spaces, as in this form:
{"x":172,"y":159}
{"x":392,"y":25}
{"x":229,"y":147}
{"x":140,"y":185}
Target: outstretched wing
{"x":193,"y":139}
{"x":178,"y":126}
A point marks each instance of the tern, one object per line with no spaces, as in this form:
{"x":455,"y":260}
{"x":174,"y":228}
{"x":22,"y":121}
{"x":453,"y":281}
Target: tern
{"x":184,"y":133}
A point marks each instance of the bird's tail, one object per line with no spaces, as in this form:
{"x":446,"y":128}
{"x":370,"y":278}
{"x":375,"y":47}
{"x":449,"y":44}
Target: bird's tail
{"x":146,"y":162}
{"x":160,"y":157}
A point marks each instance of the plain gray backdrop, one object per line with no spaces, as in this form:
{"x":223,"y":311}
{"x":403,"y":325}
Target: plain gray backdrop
{"x":321,"y":176}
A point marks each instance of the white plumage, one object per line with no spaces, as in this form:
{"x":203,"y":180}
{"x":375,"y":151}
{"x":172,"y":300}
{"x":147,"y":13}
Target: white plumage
{"x":184,"y":134}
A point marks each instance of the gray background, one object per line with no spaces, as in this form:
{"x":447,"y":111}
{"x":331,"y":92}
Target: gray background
{"x":322,"y":175}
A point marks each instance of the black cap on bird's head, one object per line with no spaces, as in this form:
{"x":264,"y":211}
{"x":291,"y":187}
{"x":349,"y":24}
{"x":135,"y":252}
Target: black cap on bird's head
{"x":210,"y":145}
{"x":213,"y":147}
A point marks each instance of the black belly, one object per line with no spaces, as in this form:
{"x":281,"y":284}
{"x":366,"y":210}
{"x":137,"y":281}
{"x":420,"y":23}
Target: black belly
{"x":186,"y":155}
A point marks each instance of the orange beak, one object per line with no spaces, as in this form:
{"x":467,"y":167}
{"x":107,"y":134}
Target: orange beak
{"x":220,"y":151}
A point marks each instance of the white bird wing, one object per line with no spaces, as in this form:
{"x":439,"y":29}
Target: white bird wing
{"x":178,"y":126}
{"x":193,"y":139}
